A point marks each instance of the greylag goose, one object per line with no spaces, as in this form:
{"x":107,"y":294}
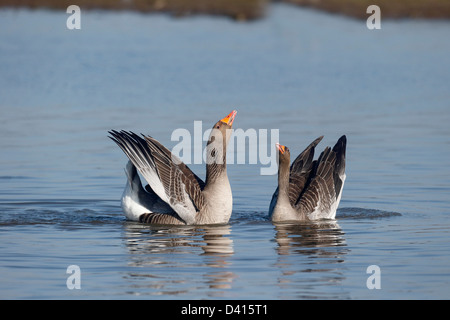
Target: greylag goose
{"x":174,"y":194}
{"x":309,"y":190}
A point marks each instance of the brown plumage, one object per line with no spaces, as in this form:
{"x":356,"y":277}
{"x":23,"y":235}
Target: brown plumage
{"x":309,"y":189}
{"x":186,"y":198}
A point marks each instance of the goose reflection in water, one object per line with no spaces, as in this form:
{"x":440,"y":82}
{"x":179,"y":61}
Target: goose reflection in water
{"x":308,"y":237}
{"x":157,"y":251}
{"x":310,"y":257}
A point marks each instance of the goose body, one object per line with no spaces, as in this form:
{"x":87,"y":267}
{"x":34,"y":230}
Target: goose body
{"x":174,"y":194}
{"x":137,"y":203}
{"x":309,"y":189}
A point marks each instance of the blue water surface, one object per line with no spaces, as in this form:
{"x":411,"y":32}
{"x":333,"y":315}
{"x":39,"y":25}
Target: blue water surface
{"x":298,"y":71}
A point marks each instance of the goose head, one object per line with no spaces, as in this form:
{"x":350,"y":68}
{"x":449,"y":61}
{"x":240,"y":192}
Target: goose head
{"x":218,"y":139}
{"x":217,"y":144}
{"x":284,"y":155}
{"x":224,"y":126}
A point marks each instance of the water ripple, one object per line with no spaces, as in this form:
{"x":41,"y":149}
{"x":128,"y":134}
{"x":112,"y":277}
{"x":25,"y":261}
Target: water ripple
{"x":364,"y":213}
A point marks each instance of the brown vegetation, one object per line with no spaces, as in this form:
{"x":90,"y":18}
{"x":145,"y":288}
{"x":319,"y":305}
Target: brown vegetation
{"x":237,"y":9}
{"x":251,"y":9}
{"x":389,"y":8}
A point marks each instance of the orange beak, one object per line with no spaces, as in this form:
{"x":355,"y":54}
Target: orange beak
{"x":229,"y":118}
{"x":281,"y":148}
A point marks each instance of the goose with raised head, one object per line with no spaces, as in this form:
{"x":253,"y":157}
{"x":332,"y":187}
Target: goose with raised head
{"x":174,"y":194}
{"x":309,"y":189}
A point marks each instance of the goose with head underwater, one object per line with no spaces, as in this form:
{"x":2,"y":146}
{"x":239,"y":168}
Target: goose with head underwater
{"x":174,"y":194}
{"x":309,"y":190}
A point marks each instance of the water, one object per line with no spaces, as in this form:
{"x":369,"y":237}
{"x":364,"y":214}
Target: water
{"x":300,"y":71}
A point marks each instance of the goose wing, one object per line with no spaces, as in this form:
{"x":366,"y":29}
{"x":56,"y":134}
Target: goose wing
{"x":167,"y":176}
{"x":322,"y":192}
{"x":300,"y":171}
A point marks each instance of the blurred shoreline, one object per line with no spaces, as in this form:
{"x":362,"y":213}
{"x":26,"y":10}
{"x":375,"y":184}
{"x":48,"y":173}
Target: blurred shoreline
{"x":242,"y":10}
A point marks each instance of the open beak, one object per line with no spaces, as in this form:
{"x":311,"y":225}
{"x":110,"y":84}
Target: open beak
{"x":229,"y":118}
{"x":281,"y":148}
